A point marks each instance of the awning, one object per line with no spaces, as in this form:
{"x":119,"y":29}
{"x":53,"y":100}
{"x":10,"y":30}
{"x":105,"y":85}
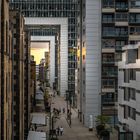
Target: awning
{"x":33,"y":135}
{"x":39,"y":119}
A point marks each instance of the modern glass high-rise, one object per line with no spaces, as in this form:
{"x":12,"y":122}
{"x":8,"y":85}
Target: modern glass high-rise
{"x":55,"y":8}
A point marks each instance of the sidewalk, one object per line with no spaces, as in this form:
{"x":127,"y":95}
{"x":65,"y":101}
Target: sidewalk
{"x":77,"y":131}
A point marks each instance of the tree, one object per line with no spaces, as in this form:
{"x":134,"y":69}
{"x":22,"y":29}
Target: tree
{"x":102,"y":120}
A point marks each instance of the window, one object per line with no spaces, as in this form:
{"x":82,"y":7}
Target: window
{"x":126,"y":94}
{"x":132,"y":74}
{"x":125,"y":112}
{"x":132,"y":113}
{"x":132,"y":93}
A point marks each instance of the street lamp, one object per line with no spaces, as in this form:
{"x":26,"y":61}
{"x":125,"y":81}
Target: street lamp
{"x":68,"y":99}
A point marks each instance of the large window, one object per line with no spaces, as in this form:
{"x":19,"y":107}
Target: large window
{"x":135,"y":3}
{"x":134,"y":18}
{"x":108,"y":3}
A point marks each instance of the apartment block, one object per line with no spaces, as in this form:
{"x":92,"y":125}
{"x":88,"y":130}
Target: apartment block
{"x":18,"y":74}
{"x":0,"y":64}
{"x":32,"y":82}
{"x":47,"y":66}
{"x":27,"y":80}
{"x":120,"y":26}
{"x":42,"y":70}
{"x":129,"y":93}
{"x":58,"y":12}
{"x":4,"y":69}
{"x":89,"y":60}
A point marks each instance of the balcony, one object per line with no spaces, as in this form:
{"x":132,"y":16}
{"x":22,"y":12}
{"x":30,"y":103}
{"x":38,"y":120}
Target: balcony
{"x":121,"y":19}
{"x":108,"y":61}
{"x":108,"y":33}
{"x":108,"y":20}
{"x":118,"y":47}
{"x":134,"y":7}
{"x":108,"y":5}
{"x":121,"y":6}
{"x":108,"y":8}
{"x":107,"y":101}
{"x":122,"y":34}
{"x":109,"y":74}
{"x":134,"y":20}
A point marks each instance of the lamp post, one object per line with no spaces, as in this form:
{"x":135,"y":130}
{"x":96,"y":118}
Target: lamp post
{"x":68,"y":99}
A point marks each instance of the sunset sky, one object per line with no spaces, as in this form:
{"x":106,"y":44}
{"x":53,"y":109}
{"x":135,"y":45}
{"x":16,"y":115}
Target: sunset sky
{"x":38,"y":49}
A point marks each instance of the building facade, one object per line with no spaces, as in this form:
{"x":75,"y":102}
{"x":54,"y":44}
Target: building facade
{"x":27,"y":81}
{"x":5,"y":125}
{"x":129,"y":92}
{"x":18,"y":75}
{"x":51,"y":9}
{"x":32,"y":82}
{"x":47,"y":67}
{"x":120,"y":26}
{"x":89,"y":59}
{"x":0,"y":63}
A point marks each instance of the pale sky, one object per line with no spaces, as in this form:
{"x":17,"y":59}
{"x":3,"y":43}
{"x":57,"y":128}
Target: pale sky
{"x":38,"y":49}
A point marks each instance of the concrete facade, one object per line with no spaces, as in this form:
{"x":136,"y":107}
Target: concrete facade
{"x":89,"y":56}
{"x":0,"y":64}
{"x":50,"y":39}
{"x":27,"y":81}
{"x":4,"y":68}
{"x":63,"y":22}
{"x":129,"y":90}
{"x":18,"y":68}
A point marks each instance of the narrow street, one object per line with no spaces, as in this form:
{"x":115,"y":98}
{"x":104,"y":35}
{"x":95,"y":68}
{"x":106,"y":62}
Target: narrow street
{"x":77,"y":131}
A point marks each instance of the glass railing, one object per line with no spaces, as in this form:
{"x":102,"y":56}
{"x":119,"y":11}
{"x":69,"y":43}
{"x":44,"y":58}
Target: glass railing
{"x":122,"y":19}
{"x":135,"y":33}
{"x":109,"y":73}
{"x":108,"y":61}
{"x":109,"y":33}
{"x":134,"y":5}
{"x":115,"y":34}
{"x":108,"y":47}
{"x":122,"y":34}
{"x":108,"y":6}
{"x":108,"y":20}
{"x":134,"y":20}
{"x":118,"y":47}
{"x":120,"y":6}
{"x":107,"y":100}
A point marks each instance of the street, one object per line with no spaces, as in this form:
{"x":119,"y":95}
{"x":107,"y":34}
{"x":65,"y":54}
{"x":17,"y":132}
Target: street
{"x":77,"y":131}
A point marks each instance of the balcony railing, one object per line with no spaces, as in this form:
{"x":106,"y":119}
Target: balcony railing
{"x":122,"y":34}
{"x":108,"y":20}
{"x":108,"y":6}
{"x":108,"y":47}
{"x":134,"y":5}
{"x":122,"y":19}
{"x":134,"y":20}
{"x":108,"y":61}
{"x":115,"y":34}
{"x":107,"y":101}
{"x":118,"y":47}
{"x":109,"y":74}
{"x":109,"y":33}
{"x":121,"y":6}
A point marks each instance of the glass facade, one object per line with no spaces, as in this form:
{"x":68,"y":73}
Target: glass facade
{"x":54,"y":8}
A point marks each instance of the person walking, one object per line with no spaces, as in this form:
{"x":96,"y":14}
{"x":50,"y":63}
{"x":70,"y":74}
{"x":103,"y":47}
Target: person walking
{"x":58,"y":131}
{"x":61,"y":130}
{"x":63,"y":110}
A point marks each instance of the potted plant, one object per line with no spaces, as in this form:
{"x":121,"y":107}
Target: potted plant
{"x":101,"y":123}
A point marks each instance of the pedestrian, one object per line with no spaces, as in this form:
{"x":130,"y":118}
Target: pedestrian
{"x":35,"y":127}
{"x":63,"y":110}
{"x":59,"y":110}
{"x":58,"y":131}
{"x":61,"y":130}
